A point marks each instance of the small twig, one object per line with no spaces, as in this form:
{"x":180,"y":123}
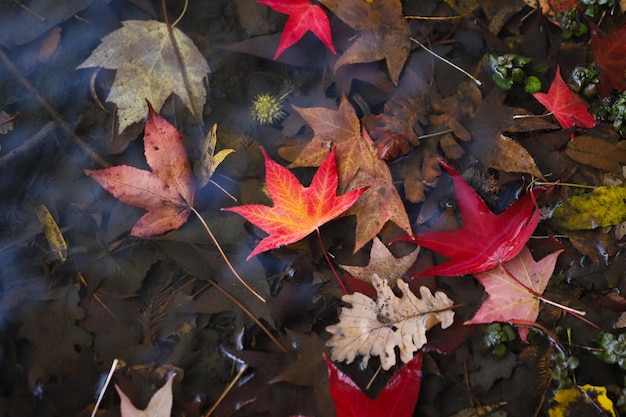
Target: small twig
{"x":37,"y":15}
{"x":226,"y":390}
{"x":249,"y":314}
{"x":219,"y":248}
{"x":51,"y":110}
{"x":568,"y":184}
{"x":104,"y":388}
{"x":181,"y":68}
{"x":477,"y":81}
{"x":319,"y":238}
{"x":9,"y":119}
{"x":436,"y":17}
{"x":430,"y":135}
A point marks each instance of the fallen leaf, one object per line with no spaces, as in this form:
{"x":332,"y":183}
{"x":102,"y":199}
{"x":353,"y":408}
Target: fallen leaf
{"x":297,"y":210}
{"x":209,"y":160}
{"x":142,"y":54}
{"x":358,"y":166}
{"x":167,"y":192}
{"x":596,"y":153}
{"x":604,"y":206}
{"x":376,"y":328}
{"x":382,"y":263}
{"x":510,"y":300}
{"x":609,"y":54}
{"x":397,"y":399}
{"x":579,"y":400}
{"x":383,"y":33}
{"x":160,"y":404}
{"x":514,"y":158}
{"x":485,"y":239}
{"x":567,"y":107}
{"x":52,"y":232}
{"x":304,"y":16}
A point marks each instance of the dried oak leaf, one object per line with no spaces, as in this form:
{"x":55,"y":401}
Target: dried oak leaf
{"x":376,"y":328}
{"x":516,"y":298}
{"x":383,"y":264}
{"x":404,"y":112}
{"x":160,"y":404}
{"x":358,"y":166}
{"x":384,"y":33}
{"x":142,"y":54}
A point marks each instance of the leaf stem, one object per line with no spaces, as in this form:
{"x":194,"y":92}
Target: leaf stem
{"x":226,"y":390}
{"x":249,"y":314}
{"x":319,"y":238}
{"x":576,"y":313}
{"x":104,"y":387}
{"x":219,"y":248}
{"x":477,"y":81}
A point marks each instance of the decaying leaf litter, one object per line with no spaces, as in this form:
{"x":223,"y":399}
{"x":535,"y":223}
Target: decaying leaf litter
{"x":359,"y":112}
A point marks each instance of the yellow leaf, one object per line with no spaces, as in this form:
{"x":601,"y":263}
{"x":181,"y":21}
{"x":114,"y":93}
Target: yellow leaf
{"x":209,"y":160}
{"x":52,"y":232}
{"x":142,"y":54}
{"x":604,"y":206}
{"x":581,"y":400}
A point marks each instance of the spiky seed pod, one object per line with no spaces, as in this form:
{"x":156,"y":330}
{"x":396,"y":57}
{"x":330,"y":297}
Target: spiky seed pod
{"x":267,"y":109}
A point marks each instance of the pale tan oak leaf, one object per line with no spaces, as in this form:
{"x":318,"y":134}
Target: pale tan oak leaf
{"x":142,"y":54}
{"x":376,"y":328}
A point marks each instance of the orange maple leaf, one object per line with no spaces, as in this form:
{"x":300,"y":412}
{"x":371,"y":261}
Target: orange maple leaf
{"x":167,"y":192}
{"x":297,"y":210}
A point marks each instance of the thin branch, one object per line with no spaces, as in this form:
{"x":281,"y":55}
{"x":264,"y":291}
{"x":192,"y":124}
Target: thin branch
{"x":477,"y":81}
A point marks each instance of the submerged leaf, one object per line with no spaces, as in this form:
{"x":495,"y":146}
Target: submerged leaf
{"x":585,"y":400}
{"x":376,"y":328}
{"x":142,"y":54}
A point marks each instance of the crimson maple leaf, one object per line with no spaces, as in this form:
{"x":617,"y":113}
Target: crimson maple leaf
{"x":167,"y":192}
{"x":303,"y":16}
{"x":513,"y":290}
{"x":609,"y":54}
{"x":485,"y":239}
{"x":397,"y":399}
{"x":568,"y":108}
{"x":297,"y":210}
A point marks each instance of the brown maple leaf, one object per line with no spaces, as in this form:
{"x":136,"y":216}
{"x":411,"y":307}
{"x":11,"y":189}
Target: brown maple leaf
{"x":382,"y":263}
{"x":357,"y":165}
{"x":383,"y":32}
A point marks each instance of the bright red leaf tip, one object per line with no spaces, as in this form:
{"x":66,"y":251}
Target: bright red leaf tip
{"x":485,"y":239}
{"x":297,"y":210}
{"x":609,"y":54}
{"x":167,"y":192}
{"x":568,"y":108}
{"x":303,"y":16}
{"x":397,"y":399}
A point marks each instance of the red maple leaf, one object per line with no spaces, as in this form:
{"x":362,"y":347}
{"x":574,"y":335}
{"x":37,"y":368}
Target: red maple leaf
{"x":397,"y":399}
{"x":167,"y":192}
{"x":513,"y":290}
{"x":303,"y":16}
{"x":485,"y":239}
{"x":568,"y":108}
{"x":609,"y":54}
{"x":297,"y":210}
